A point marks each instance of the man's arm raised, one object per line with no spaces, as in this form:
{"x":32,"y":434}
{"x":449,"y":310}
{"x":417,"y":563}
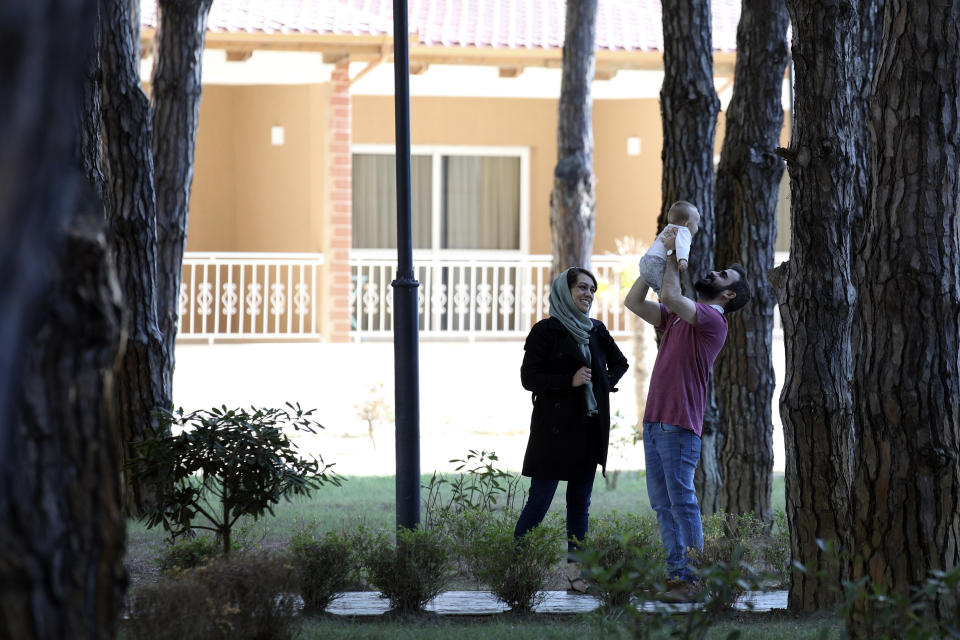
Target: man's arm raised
{"x":637,"y":302}
{"x":672,"y":296}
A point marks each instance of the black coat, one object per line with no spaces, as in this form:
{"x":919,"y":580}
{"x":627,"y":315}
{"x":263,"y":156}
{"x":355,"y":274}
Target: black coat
{"x":564,"y":442}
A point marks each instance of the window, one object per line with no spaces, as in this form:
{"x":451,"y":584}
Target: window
{"x":462,"y":198}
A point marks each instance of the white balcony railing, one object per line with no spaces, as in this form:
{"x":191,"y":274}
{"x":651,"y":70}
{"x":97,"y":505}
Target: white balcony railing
{"x":250,"y":296}
{"x":278,"y":296}
{"x":469,"y":296}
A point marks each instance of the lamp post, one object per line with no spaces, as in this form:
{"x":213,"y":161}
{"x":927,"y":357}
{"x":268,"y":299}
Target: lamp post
{"x":406,"y":317}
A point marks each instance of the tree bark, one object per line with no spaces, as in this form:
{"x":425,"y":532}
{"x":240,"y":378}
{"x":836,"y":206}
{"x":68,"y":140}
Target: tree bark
{"x":61,"y":572}
{"x":175,"y":91}
{"x":906,"y":491}
{"x":816,"y":296}
{"x":572,"y":198}
{"x":688,"y":107}
{"x":132,"y":228}
{"x":43,"y":41}
{"x":61,"y":562}
{"x":748,"y":181}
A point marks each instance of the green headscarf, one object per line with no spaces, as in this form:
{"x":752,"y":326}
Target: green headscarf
{"x":577,"y":323}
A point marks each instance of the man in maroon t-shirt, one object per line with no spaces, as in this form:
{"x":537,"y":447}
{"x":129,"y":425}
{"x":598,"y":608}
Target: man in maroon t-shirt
{"x":693,"y":334}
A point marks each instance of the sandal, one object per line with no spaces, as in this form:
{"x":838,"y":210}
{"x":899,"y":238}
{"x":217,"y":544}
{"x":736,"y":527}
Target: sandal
{"x":577,"y":586}
{"x":575,"y":582}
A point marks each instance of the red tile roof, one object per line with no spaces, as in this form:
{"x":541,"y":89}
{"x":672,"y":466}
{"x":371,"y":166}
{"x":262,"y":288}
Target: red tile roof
{"x":630,"y":25}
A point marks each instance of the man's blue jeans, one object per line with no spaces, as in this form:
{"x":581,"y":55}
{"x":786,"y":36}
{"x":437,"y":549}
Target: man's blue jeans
{"x":578,"y":506}
{"x":672,"y":454}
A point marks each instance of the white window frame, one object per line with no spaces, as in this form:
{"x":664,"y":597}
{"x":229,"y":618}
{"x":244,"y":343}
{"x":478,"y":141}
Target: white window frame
{"x":436,"y":152}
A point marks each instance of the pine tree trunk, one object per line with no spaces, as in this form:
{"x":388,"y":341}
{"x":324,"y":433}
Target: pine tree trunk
{"x":61,"y":561}
{"x":572,"y":197}
{"x":748,"y":181}
{"x":906,"y":491}
{"x":132,"y":228}
{"x":62,"y":573}
{"x":689,"y":106}
{"x":43,"y":41}
{"x":175,"y":91}
{"x":816,"y":296}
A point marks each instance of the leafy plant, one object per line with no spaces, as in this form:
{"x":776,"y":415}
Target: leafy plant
{"x":188,"y":553}
{"x":221,"y":465}
{"x":516,"y":572}
{"x":323,"y":567}
{"x":615,"y":551}
{"x":929,"y":612}
{"x":478,"y":485}
{"x":244,"y":597}
{"x":411,"y":572}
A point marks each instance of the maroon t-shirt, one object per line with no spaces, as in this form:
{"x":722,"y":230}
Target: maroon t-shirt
{"x":678,"y":384}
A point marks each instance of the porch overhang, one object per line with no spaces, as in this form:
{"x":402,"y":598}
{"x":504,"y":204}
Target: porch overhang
{"x":338,"y":48}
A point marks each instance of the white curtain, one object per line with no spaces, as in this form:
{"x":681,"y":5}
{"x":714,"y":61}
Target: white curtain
{"x":481,"y":207}
{"x":375,"y":201}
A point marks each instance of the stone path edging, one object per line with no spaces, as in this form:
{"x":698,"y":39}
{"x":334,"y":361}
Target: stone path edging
{"x":452,"y":603}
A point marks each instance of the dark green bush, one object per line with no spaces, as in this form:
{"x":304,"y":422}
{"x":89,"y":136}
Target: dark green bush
{"x":478,"y":485}
{"x":323,"y":567}
{"x":516,"y":573}
{"x":622,"y":556}
{"x":210,"y":468}
{"x":246,"y":596}
{"x":929,"y":612}
{"x":411,"y":572}
{"x":187,"y":553}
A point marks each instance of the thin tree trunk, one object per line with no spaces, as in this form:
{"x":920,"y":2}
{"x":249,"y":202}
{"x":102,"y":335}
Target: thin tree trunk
{"x":748,"y":182}
{"x":175,"y":91}
{"x":816,"y":296}
{"x":132,"y":228}
{"x":61,"y":562}
{"x":689,"y":106}
{"x":572,"y":198}
{"x":906,"y":491}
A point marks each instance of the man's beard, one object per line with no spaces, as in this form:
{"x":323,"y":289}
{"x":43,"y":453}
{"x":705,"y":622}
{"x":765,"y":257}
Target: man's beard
{"x":708,"y":287}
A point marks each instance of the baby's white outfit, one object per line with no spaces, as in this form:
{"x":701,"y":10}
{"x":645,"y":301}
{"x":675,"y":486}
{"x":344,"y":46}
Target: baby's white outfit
{"x":655,"y":259}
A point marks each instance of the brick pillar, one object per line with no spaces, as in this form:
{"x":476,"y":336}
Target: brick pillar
{"x":336,"y":301}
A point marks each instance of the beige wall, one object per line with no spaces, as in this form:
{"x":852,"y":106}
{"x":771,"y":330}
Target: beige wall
{"x":249,"y":195}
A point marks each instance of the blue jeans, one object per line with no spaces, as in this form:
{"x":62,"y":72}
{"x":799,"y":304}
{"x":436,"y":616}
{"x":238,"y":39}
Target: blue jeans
{"x":578,"y":505}
{"x":672,"y":454}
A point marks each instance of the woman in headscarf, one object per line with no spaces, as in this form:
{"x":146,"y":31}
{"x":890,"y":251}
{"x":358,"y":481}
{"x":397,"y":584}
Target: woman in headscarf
{"x":571,"y":365}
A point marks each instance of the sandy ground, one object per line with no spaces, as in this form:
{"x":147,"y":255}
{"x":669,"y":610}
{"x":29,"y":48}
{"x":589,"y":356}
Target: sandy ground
{"x":470,"y":397}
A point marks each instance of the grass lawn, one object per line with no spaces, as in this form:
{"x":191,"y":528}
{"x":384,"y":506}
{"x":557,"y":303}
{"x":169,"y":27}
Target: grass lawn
{"x":755,"y":626}
{"x":371,"y":500}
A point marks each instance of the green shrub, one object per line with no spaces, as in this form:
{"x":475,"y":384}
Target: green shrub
{"x":222,"y":465}
{"x":516,"y":573}
{"x":411,"y":572}
{"x":478,"y":485}
{"x":622,"y":556}
{"x":732,"y":546}
{"x":930,"y":612}
{"x":777,"y":554}
{"x":187,"y":553}
{"x":323,"y":567}
{"x":246,"y":596}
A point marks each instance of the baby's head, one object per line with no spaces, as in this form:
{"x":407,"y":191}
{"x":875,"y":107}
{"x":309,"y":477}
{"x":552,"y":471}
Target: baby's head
{"x":684,"y":214}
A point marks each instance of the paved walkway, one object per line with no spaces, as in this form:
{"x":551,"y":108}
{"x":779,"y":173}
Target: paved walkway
{"x":470,"y":398}
{"x":369,"y":603}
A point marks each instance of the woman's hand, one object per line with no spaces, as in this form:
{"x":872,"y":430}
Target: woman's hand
{"x":582,"y":376}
